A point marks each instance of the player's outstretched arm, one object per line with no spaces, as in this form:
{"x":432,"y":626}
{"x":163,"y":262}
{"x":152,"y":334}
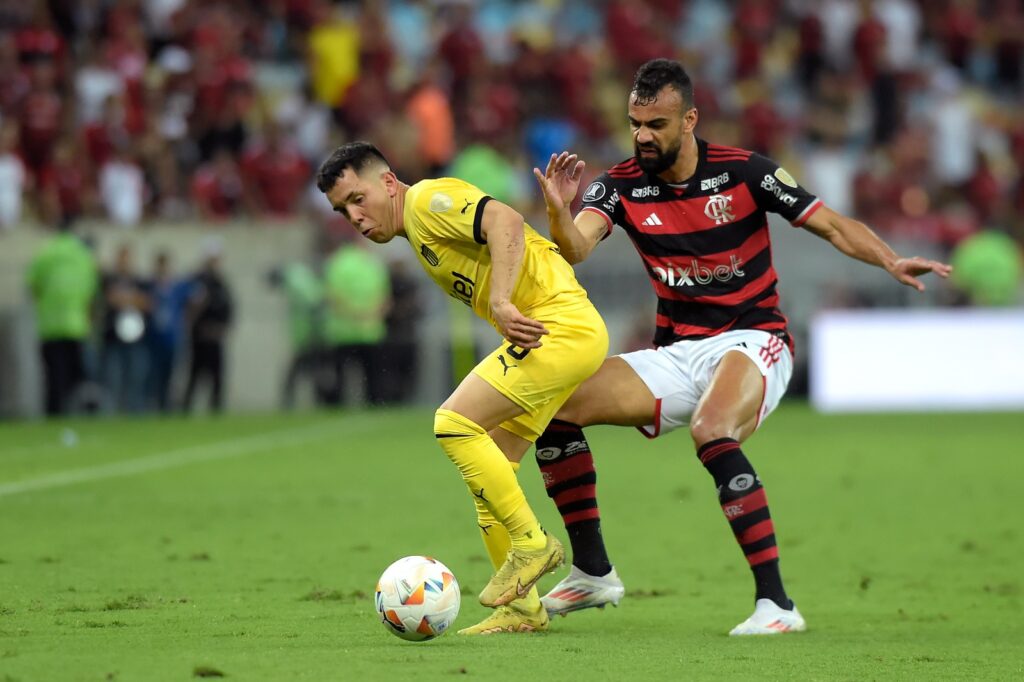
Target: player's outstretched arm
{"x":502,"y":228}
{"x":559,"y":183}
{"x":857,"y":240}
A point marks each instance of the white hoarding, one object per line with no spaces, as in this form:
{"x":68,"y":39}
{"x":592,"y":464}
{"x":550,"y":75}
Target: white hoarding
{"x":953,"y":359}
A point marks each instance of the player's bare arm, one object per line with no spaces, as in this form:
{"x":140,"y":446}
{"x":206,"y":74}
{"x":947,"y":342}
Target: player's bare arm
{"x":559,"y":183}
{"x":502,"y":228}
{"x":857,"y":240}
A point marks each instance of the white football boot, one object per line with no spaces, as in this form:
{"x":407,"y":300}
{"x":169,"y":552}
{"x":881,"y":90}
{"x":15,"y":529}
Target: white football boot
{"x":579,"y":590}
{"x":770,"y":619}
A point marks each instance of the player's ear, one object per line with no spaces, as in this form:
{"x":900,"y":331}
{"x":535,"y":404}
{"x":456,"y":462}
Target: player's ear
{"x":390,"y":182}
{"x":690,"y":120}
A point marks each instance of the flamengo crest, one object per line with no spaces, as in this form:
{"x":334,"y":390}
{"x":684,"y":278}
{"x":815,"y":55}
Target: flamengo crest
{"x":719,"y":208}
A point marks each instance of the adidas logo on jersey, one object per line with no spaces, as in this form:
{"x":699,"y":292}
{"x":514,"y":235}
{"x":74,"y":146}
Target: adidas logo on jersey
{"x":652,"y":219}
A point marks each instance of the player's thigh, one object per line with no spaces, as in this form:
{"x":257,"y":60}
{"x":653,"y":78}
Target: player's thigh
{"x":730,"y":406}
{"x":527,"y":427}
{"x":482,"y":402}
{"x":512,"y":381}
{"x":615,"y":394}
{"x":539,"y":380}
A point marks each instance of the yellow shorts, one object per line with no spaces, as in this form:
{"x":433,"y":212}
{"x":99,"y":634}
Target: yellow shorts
{"x":540,"y":380}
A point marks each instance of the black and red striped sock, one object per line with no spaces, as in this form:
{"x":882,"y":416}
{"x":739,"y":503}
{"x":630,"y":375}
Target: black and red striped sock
{"x":745,"y":506}
{"x":567,"y":466}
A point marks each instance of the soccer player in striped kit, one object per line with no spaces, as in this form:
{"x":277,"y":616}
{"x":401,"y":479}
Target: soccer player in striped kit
{"x":697,"y":215}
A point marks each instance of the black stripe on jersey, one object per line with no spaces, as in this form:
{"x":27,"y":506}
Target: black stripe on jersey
{"x":708,"y":314}
{"x":702,"y":243}
{"x":478,"y":220}
{"x":755,"y":318}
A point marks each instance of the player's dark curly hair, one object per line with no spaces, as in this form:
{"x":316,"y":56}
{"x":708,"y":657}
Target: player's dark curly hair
{"x":654,"y":75}
{"x":354,"y":155}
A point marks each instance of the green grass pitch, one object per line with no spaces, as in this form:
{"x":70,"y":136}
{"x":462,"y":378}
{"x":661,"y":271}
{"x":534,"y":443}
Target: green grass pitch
{"x":249,"y":547}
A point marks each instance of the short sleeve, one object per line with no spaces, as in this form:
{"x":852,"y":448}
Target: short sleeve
{"x":776,"y":191}
{"x":450,"y":209}
{"x":602,"y":197}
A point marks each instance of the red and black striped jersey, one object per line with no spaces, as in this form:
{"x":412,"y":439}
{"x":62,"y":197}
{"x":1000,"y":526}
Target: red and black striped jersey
{"x":705,"y":244}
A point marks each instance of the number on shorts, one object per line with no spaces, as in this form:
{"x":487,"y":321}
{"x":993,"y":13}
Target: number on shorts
{"x":519,"y":353}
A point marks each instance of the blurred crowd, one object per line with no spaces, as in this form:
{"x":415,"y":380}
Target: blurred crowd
{"x":116,"y":339}
{"x":111,"y":338}
{"x":354,"y":326}
{"x":907,"y":112}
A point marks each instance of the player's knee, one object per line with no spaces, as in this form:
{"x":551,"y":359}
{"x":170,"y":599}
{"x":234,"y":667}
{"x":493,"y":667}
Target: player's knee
{"x":708,"y":427}
{"x":449,"y":424}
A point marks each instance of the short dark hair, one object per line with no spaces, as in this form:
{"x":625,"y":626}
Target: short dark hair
{"x":654,"y":75}
{"x":354,"y":155}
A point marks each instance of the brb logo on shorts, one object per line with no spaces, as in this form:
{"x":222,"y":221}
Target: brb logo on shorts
{"x":694,"y":273}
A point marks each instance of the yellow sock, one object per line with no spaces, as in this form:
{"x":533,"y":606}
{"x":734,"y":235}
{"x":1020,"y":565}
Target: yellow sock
{"x":490,"y":479}
{"x":497,"y":542}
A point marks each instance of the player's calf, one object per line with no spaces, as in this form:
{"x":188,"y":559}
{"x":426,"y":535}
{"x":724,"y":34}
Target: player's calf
{"x":567,"y":467}
{"x":745,"y":506}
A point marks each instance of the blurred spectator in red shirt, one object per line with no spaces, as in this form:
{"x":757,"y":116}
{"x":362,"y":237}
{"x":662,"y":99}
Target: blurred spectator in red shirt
{"x":362,"y":103}
{"x":376,"y":50}
{"x":811,"y":50}
{"x":635,"y":33}
{"x":217,"y":187}
{"x":959,"y":29}
{"x":752,"y":29}
{"x":14,"y":82}
{"x":100,"y":136}
{"x":222,"y":78}
{"x":1008,"y":47}
{"x":869,"y":42}
{"x":63,"y":185}
{"x":532,"y":75}
{"x":492,"y":107}
{"x":762,"y":126}
{"x":275,"y":174}
{"x":126,"y":54}
{"x":983,"y":190}
{"x":39,"y":40}
{"x":41,"y":113}
{"x":572,"y":75}
{"x":461,"y":48}
{"x":226,"y":126}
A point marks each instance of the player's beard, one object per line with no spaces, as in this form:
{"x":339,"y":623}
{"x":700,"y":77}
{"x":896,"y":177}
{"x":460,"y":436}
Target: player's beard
{"x":659,"y":163}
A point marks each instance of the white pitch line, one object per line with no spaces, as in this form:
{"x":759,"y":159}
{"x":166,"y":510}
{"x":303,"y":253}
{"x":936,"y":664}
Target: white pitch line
{"x":203,"y":452}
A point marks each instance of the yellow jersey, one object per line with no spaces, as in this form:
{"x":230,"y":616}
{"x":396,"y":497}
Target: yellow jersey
{"x":442,"y":219}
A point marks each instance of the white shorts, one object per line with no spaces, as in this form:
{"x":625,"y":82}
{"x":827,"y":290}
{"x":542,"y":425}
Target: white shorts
{"x":679,"y":374}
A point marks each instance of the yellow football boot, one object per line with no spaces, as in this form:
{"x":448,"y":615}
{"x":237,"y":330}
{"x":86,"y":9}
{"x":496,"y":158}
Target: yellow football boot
{"x":510,"y":619}
{"x":521,"y":571}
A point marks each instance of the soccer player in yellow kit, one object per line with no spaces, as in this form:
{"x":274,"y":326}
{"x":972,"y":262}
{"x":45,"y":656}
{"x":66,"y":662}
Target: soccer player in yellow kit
{"x":481,"y":252}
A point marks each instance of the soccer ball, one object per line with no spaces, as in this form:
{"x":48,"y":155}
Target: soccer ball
{"x":417,"y":598}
